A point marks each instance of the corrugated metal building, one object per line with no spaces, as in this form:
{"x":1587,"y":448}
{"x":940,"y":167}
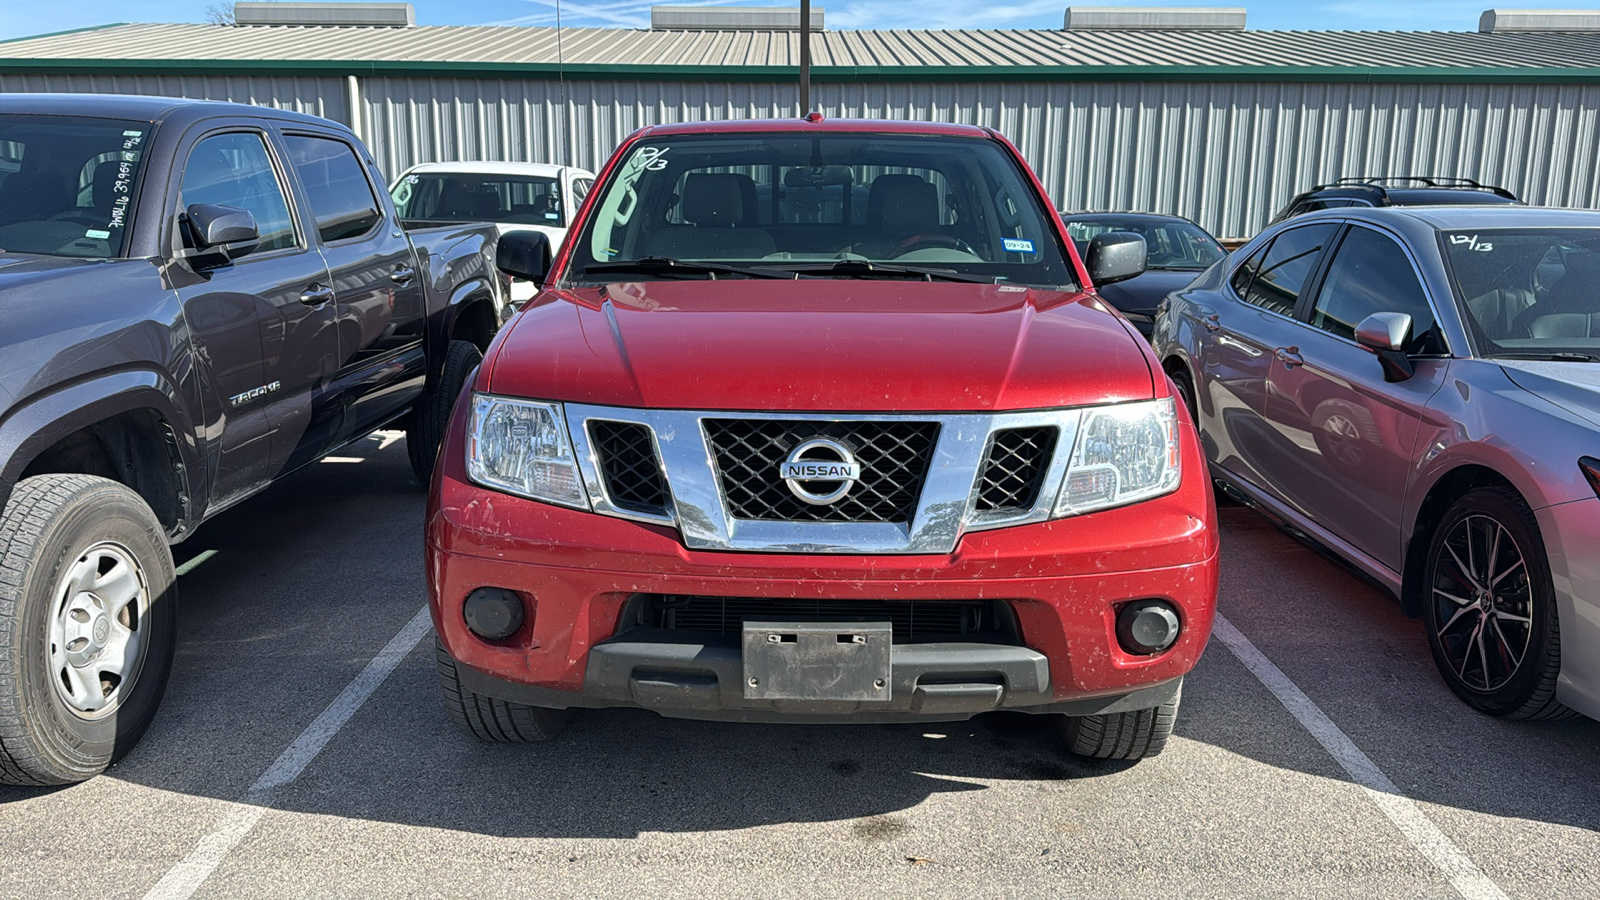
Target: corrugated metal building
{"x":1220,"y":126}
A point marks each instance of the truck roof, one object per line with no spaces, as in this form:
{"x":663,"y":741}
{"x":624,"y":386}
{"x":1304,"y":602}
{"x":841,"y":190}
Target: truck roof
{"x":145,"y":109}
{"x":818,"y":124}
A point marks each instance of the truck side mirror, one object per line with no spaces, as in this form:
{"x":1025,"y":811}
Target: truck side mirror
{"x":1386,"y":333}
{"x":222,"y":231}
{"x":524,"y":254}
{"x":1115,"y":256}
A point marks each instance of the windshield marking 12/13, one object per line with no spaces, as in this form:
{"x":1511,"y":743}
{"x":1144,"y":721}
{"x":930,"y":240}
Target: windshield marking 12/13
{"x":1528,"y":293}
{"x":884,"y":206}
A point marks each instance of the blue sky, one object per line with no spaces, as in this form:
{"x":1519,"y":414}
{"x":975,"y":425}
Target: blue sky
{"x":24,"y":17}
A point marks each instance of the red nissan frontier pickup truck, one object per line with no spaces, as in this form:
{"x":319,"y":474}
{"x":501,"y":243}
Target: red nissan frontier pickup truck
{"x":822,"y":421}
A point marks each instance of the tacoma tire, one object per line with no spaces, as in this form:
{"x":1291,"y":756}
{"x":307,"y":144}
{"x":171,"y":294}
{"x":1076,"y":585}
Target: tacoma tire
{"x":489,"y":719}
{"x":1139,"y":734}
{"x":428,"y":422}
{"x":88,"y":616}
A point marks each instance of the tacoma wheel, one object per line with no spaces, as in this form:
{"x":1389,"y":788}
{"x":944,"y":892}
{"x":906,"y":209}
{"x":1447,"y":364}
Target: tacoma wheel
{"x":491,"y":719}
{"x":1490,"y":607}
{"x":1139,"y":734}
{"x":431,"y":419}
{"x":88,"y":614}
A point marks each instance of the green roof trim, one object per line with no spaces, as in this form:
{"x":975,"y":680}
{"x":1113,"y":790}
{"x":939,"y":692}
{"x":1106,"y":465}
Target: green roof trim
{"x":720,"y":73}
{"x":50,"y":34}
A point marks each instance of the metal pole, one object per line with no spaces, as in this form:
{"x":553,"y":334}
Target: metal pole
{"x":805,"y":57}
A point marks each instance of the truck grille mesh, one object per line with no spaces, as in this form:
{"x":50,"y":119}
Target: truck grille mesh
{"x":912,"y":619}
{"x":628,"y":462}
{"x":893,"y":456}
{"x":1014,"y":471}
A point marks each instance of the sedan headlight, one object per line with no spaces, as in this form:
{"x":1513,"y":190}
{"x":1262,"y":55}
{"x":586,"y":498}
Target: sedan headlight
{"x":1124,"y":454}
{"x":522,"y":447}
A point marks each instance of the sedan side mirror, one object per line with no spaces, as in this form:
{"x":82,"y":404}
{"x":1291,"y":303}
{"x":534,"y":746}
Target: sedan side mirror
{"x":1115,"y":256}
{"x":1386,"y":333}
{"x":231,"y":230}
{"x":524,"y":254}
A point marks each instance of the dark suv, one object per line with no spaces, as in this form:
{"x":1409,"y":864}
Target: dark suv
{"x":1400,"y":190}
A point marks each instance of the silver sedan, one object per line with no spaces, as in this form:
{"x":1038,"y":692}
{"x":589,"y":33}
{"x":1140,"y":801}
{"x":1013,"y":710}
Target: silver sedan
{"x":1417,"y":390}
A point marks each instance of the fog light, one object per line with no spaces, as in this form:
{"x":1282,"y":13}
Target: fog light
{"x":1147,"y":626}
{"x":493,"y":614}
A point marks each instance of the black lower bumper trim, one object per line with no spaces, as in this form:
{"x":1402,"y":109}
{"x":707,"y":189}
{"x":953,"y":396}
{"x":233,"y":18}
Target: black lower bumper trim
{"x":685,"y":678}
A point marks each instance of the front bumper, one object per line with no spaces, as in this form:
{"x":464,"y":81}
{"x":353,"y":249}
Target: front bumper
{"x":1063,"y":582}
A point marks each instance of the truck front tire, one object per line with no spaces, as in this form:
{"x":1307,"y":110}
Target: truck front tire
{"x":1138,"y":734}
{"x":491,"y":719}
{"x":88,"y":625}
{"x":428,"y":423}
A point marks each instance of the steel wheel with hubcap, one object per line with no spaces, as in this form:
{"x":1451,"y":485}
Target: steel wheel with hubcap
{"x":1490,"y":607}
{"x":88,"y":616}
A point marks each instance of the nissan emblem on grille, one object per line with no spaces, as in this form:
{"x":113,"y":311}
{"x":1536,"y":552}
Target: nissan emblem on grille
{"x":831,"y":462}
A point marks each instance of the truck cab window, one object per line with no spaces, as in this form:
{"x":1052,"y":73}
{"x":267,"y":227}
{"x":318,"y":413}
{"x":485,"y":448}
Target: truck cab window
{"x":234,"y":170}
{"x":341,"y":197}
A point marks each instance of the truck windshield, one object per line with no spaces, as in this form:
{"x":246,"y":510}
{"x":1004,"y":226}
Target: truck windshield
{"x":840,"y":204}
{"x":1529,"y":293}
{"x":67,"y":184}
{"x":464,"y":197}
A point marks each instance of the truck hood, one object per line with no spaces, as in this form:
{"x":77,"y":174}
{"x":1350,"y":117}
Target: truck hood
{"x":820,"y":345}
{"x":1573,"y":386}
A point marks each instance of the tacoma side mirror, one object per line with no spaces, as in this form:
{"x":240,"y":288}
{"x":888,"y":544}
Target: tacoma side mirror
{"x":1386,"y":333}
{"x":1115,"y":256}
{"x":524,"y":254}
{"x":221,"y":234}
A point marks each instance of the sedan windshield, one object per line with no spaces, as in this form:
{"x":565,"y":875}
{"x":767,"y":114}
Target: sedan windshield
{"x":830,"y":205}
{"x":464,"y":197}
{"x":1529,"y":293}
{"x":1171,"y":244}
{"x":67,"y":184}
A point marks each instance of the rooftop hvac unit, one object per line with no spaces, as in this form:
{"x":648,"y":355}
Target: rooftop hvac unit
{"x":370,"y":15}
{"x":1497,"y":20}
{"x":1154,"y":18}
{"x":731,"y":18}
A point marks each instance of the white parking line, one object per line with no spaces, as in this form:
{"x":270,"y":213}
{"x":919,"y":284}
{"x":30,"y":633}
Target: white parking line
{"x":183,"y":879}
{"x":1465,"y":876}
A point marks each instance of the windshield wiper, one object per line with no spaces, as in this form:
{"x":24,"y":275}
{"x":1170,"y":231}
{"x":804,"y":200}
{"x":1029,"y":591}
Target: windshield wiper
{"x":666,"y":265}
{"x":1556,"y":356}
{"x":862,"y":268}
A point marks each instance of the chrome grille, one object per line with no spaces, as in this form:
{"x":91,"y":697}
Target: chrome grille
{"x":628,"y":462}
{"x":893,"y":456}
{"x":1014,"y":468}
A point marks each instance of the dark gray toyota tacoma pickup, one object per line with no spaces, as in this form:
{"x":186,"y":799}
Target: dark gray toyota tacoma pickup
{"x":195,"y":299}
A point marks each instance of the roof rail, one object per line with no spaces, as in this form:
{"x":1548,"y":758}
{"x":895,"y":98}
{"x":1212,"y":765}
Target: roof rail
{"x":1433,"y":181}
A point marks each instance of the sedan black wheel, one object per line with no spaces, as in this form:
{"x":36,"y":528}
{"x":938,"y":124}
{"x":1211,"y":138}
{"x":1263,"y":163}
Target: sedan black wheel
{"x":1490,"y":609}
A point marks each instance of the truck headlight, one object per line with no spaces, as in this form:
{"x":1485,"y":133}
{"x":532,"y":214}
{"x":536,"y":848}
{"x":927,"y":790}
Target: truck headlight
{"x":522,"y":447}
{"x":1124,"y":453}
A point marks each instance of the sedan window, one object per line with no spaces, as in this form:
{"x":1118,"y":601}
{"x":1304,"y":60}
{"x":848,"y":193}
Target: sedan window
{"x":1286,"y":267}
{"x":1528,"y":292}
{"x":1369,"y":274}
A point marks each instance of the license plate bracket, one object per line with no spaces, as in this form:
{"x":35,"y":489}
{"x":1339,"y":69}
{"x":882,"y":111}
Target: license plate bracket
{"x":817,"y":660}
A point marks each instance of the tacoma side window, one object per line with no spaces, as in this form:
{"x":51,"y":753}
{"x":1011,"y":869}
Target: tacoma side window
{"x":341,"y":198}
{"x":234,"y":170}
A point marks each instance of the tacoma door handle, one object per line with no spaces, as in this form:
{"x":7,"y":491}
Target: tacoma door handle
{"x":316,"y":295}
{"x":402,"y":274}
{"x":1289,"y":356}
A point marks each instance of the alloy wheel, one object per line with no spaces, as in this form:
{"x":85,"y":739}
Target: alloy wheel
{"x":1483,"y":603}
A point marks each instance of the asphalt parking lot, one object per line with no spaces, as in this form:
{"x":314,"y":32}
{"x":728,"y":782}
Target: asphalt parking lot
{"x":249,"y":785}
